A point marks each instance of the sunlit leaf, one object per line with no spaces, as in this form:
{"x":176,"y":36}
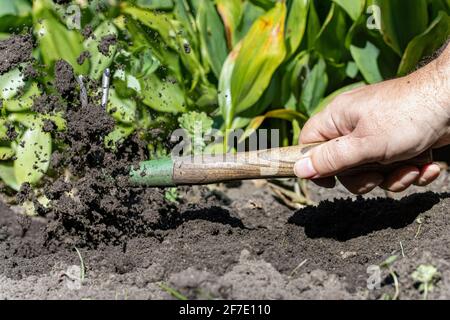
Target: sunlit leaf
{"x":33,"y":155}
{"x":10,"y":83}
{"x":99,"y":61}
{"x":425,"y":44}
{"x":231,"y":13}
{"x":23,"y":102}
{"x":367,"y":60}
{"x":296,"y":24}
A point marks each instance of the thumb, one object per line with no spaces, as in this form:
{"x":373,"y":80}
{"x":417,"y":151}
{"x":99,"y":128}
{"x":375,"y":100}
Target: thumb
{"x":334,"y":156}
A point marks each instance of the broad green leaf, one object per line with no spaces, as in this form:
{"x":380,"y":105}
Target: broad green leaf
{"x":14,"y":13}
{"x":313,"y":26}
{"x":99,"y":62}
{"x":231,"y":13}
{"x":314,"y":87}
{"x":23,"y":102}
{"x":122,"y":110}
{"x":173,"y":35}
{"x":367,"y":60}
{"x":283,"y":114}
{"x":266,"y":4}
{"x":7,"y":175}
{"x":55,"y":40}
{"x":212,"y":36}
{"x":225,"y":101}
{"x":33,"y":155}
{"x":32,"y":119}
{"x":425,"y":44}
{"x":250,"y":13}
{"x":10,"y":83}
{"x":259,"y":55}
{"x":354,"y":8}
{"x":326,"y":101}
{"x":6,"y":153}
{"x":118,"y":135}
{"x":401,"y":21}
{"x":3,"y":129}
{"x":331,"y":40}
{"x":163,"y":96}
{"x":296,"y":24}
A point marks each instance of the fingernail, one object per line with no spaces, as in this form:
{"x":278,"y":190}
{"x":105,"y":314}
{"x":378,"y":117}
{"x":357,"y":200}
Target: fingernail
{"x":305,"y":169}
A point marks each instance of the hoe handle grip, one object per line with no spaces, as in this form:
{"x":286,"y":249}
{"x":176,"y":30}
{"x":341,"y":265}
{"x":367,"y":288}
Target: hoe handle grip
{"x":263,"y":164}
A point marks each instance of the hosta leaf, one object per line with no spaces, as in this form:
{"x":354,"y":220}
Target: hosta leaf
{"x":118,"y":135}
{"x":331,"y":39}
{"x":15,"y":13}
{"x":425,"y":44}
{"x":99,"y":61}
{"x":313,"y":26}
{"x":6,"y":153}
{"x":122,"y":110}
{"x":163,"y":96}
{"x":32,"y":119}
{"x":25,"y":101}
{"x":231,"y":13}
{"x":314,"y":87}
{"x":401,"y":21}
{"x":33,"y":155}
{"x":283,"y":114}
{"x":367,"y":60}
{"x":7,"y":175}
{"x":354,"y":8}
{"x":10,"y":83}
{"x":212,"y":36}
{"x":55,"y":40}
{"x":250,"y":13}
{"x":259,"y":55}
{"x":296,"y":24}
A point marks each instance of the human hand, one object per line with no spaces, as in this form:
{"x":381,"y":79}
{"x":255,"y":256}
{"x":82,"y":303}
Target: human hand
{"x":388,"y":122}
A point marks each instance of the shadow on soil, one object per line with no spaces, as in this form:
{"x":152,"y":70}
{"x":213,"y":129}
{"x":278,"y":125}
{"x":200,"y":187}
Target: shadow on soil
{"x":212,"y":214}
{"x":343,"y":220}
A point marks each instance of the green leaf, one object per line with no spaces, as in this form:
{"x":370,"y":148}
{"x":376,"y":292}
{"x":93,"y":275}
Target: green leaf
{"x":163,"y":96}
{"x":33,"y":119}
{"x":118,"y":135}
{"x":33,"y":155}
{"x":14,"y":14}
{"x":283,"y":114}
{"x":367,"y":60}
{"x":99,"y":62}
{"x":10,"y":83}
{"x":326,"y":101}
{"x":401,"y":21}
{"x":25,"y":101}
{"x":212,"y":36}
{"x":55,"y":40}
{"x":314,"y":87}
{"x":155,"y":4}
{"x":6,"y":153}
{"x":296,"y":24}
{"x":122,"y":110}
{"x":7,"y":175}
{"x":231,"y":13}
{"x":331,"y":39}
{"x":425,"y":44}
{"x":255,"y":61}
{"x":354,"y":8}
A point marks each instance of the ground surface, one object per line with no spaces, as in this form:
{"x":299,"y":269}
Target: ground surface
{"x":242,"y":244}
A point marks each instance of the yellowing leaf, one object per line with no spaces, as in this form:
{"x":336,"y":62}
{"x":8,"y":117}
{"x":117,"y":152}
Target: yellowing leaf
{"x":250,"y":66}
{"x":231,"y":12}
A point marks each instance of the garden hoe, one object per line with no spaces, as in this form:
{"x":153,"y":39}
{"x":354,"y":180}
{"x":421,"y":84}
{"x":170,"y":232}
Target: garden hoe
{"x":261,"y":164}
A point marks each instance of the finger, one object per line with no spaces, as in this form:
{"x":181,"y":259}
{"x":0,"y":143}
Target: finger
{"x":332,"y":157}
{"x":361,"y":183}
{"x":401,"y":179}
{"x":339,"y":118}
{"x":428,"y":174}
{"x":328,"y":183}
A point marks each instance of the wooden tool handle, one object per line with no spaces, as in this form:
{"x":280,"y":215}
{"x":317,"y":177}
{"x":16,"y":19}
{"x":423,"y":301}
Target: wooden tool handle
{"x":263,"y":164}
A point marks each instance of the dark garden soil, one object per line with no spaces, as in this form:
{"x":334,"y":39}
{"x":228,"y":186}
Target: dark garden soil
{"x":228,"y":242}
{"x":239,"y":243}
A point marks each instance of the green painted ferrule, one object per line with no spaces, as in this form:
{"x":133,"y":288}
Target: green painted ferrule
{"x":153,"y":173}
